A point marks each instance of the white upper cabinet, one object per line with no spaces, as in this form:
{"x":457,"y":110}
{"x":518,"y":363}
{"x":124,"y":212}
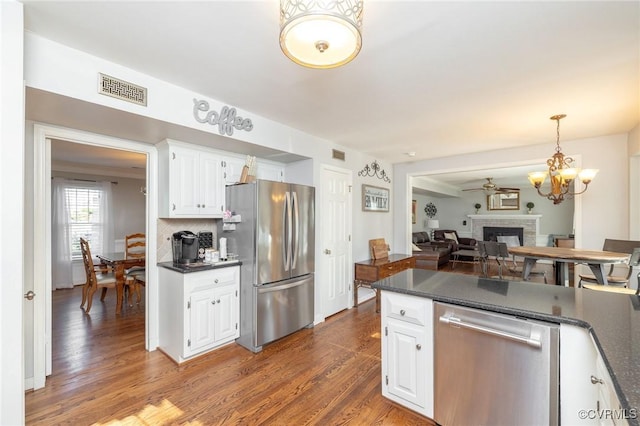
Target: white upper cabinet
{"x":191,"y":181}
{"x":266,"y":170}
{"x":270,"y":171}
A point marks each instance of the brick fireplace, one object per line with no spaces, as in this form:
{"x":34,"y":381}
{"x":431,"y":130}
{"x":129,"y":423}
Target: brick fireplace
{"x":528,"y":223}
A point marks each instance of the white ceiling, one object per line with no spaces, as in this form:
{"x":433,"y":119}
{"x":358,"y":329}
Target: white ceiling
{"x":435,"y":78}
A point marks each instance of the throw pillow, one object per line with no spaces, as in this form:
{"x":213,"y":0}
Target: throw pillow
{"x":450,"y":236}
{"x":415,"y":247}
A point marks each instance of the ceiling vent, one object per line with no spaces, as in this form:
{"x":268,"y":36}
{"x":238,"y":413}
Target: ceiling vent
{"x":123,"y":90}
{"x":338,"y":155}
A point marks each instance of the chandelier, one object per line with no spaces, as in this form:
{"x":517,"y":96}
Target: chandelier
{"x":560,"y":173}
{"x":321,"y":34}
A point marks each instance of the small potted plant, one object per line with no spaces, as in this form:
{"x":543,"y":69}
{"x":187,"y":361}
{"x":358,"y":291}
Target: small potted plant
{"x":530,"y":207}
{"x":477,"y":206}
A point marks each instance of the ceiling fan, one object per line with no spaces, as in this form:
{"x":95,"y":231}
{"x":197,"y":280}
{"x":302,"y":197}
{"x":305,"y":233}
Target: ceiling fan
{"x":491,"y":188}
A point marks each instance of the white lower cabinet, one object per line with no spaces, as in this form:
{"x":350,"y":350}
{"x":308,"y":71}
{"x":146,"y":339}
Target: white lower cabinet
{"x":407,"y":351}
{"x":199,"y":311}
{"x":587,"y":395}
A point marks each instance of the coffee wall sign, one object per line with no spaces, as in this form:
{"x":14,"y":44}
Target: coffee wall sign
{"x":226,"y":119}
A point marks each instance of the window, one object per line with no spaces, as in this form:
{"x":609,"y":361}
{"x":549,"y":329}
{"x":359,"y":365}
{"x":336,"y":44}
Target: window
{"x":86,"y":217}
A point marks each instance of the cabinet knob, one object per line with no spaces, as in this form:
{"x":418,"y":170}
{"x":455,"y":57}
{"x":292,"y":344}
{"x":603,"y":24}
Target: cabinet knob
{"x":203,"y":206}
{"x":402,"y":312}
{"x":198,"y":205}
{"x":595,"y":380}
{"x":418,"y":346}
{"x":215,"y":281}
{"x":327,"y":251}
{"x":218,"y":301}
{"x":213,"y":302}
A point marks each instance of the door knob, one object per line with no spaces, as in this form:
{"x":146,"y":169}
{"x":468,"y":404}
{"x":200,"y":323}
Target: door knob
{"x":29,"y":295}
{"x":327,"y":251}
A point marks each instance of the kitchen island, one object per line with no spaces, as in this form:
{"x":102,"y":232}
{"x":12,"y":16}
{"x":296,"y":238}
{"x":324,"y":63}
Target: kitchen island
{"x":596,"y":329}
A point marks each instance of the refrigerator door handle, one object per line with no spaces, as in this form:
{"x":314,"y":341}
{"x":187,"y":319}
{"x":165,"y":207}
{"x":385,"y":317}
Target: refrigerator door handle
{"x":295,"y":230}
{"x":271,"y":288}
{"x":286,"y":247}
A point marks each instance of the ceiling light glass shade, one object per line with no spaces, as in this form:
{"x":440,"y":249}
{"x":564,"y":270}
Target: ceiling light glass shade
{"x":321,"y":34}
{"x":587,"y":175}
{"x":537,"y":178}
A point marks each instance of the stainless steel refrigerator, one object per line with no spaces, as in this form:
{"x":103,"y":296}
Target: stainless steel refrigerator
{"x":275,"y":241}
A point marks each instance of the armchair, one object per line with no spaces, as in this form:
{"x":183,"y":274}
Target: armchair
{"x":459,"y":243}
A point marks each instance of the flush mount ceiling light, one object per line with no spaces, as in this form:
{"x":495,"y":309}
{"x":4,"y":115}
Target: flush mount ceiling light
{"x":321,"y":34}
{"x":560,"y":173}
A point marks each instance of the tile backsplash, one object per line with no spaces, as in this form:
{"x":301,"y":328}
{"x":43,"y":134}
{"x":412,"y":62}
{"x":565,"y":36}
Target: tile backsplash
{"x":166,"y":228}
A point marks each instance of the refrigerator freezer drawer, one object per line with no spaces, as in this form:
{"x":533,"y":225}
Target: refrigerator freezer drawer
{"x":283,"y":308}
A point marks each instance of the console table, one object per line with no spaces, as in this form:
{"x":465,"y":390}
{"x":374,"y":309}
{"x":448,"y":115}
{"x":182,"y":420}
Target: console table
{"x":371,"y":270}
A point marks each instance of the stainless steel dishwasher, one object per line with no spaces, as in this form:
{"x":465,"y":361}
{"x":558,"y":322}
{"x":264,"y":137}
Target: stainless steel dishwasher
{"x":494,"y":369}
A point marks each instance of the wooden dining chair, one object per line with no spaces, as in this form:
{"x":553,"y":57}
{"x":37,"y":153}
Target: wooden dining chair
{"x":95,"y":279}
{"x":614,"y":276}
{"x":135,"y":248}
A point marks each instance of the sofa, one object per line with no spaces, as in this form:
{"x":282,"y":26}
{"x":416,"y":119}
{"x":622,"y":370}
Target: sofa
{"x":458,"y":243}
{"x":429,"y":254}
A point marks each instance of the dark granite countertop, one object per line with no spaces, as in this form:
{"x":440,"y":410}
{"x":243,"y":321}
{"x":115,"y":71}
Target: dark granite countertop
{"x":198,"y":267}
{"x":612,"y":319}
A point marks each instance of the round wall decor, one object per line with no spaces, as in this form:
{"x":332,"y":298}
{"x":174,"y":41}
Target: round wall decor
{"x":430,"y":209}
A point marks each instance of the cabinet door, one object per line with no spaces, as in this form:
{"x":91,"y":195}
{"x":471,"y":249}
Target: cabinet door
{"x":226,"y":313}
{"x":201,"y":320}
{"x":406,"y":352}
{"x":184,"y":182}
{"x":211,"y":199}
{"x":269,"y":171}
{"x":233,"y":169}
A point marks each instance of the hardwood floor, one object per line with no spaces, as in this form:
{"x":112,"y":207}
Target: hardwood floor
{"x":102,"y":375}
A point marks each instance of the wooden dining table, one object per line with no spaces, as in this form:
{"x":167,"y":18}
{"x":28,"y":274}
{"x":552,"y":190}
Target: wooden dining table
{"x":119,"y":262}
{"x":563,"y":256}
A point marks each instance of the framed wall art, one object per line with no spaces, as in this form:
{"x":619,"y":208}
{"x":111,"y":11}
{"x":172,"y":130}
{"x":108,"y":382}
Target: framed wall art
{"x":414,"y":204}
{"x":375,"y":199}
{"x":504,"y":201}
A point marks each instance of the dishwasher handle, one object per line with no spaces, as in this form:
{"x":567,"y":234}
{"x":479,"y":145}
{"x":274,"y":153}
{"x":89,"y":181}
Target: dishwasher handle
{"x":457,"y":322}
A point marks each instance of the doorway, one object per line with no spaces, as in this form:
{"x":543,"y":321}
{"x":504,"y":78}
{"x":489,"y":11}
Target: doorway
{"x":38,"y":324}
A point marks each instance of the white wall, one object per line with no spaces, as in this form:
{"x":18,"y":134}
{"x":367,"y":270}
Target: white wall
{"x":601,"y":212}
{"x":634,"y":183}
{"x":12,"y":213}
{"x":59,"y":69}
{"x":55,"y":68}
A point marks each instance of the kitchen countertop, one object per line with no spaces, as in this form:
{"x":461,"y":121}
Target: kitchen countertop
{"x":198,"y":267}
{"x":612,"y":319}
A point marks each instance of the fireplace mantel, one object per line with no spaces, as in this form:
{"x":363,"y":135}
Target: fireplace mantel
{"x":504,"y":216}
{"x":529,"y":222}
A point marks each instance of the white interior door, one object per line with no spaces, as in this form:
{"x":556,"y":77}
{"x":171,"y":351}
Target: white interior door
{"x":335,"y":257}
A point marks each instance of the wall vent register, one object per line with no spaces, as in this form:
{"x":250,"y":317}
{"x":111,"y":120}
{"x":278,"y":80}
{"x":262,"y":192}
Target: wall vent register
{"x":123,"y":90}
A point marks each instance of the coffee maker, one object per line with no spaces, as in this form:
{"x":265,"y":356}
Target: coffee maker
{"x":185,"y":247}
